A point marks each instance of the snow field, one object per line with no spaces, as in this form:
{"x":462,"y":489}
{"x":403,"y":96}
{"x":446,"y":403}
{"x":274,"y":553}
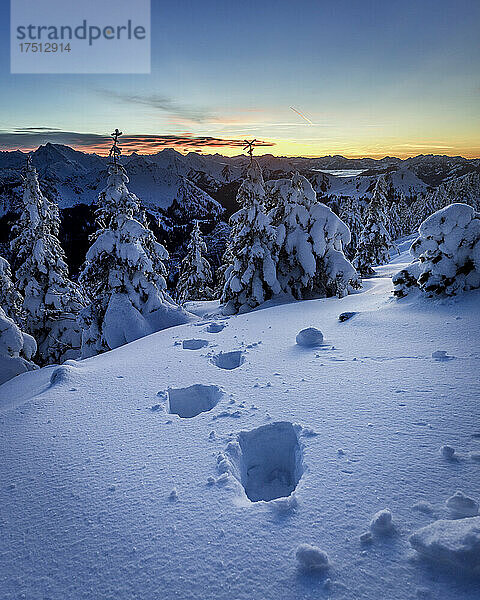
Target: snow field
{"x":93,"y":467}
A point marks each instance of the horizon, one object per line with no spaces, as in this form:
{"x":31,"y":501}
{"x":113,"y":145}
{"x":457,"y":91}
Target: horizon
{"x":202,"y":153}
{"x":353,"y":80}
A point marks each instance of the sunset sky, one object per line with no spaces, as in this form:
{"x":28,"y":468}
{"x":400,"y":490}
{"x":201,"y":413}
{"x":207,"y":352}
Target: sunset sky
{"x":371,"y":78}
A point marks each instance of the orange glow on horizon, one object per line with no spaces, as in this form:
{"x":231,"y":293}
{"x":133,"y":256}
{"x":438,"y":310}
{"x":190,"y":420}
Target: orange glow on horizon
{"x":279,"y":148}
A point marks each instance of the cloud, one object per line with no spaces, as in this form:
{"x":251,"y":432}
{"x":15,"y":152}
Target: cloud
{"x":427,"y":145}
{"x":163,"y":103}
{"x":34,"y":129}
{"x":29,"y":138}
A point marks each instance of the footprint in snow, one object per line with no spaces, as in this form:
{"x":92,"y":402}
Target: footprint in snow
{"x":229,"y":360}
{"x":441,"y":355}
{"x":215,"y":327}
{"x":191,"y":401}
{"x":194,"y":344}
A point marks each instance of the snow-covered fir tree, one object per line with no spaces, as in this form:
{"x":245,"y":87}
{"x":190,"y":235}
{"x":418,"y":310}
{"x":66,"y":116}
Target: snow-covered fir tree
{"x":426,"y":205}
{"x":16,"y":349}
{"x":464,"y":189}
{"x":384,"y":196}
{"x":311,"y":238}
{"x":395,"y":225}
{"x":10,"y":299}
{"x":250,"y":274}
{"x":446,"y":254}
{"x":226,"y":173}
{"x":195,"y":280}
{"x":51,"y":301}
{"x":375,"y":241}
{"x":350,"y":212}
{"x":405,"y":216}
{"x":124,"y":273}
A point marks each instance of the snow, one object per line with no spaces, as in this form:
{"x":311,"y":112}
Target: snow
{"x":88,"y":466}
{"x":455,"y":543}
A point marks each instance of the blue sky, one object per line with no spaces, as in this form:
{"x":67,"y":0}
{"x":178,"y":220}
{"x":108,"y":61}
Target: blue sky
{"x":374,"y":78}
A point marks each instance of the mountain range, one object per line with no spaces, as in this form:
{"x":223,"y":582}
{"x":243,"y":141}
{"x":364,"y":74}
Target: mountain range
{"x":177,"y":188}
{"x":72,"y":177}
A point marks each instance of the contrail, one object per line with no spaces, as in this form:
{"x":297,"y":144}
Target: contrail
{"x":302,"y":115}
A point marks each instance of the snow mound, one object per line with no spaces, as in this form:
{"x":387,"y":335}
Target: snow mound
{"x":191,"y":401}
{"x":453,"y":542}
{"x":310,"y":337}
{"x":229,"y":360}
{"x":461,"y":505}
{"x":268,"y":461}
{"x":311,"y":558}
{"x":446,"y":253}
{"x":62,"y":374}
{"x":194,"y":344}
{"x":381,"y":523}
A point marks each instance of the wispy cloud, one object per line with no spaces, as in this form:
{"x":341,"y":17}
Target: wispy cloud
{"x":29,"y":138}
{"x":34,"y":129}
{"x":163,"y":103}
{"x":305,"y":118}
{"x":422,"y":146}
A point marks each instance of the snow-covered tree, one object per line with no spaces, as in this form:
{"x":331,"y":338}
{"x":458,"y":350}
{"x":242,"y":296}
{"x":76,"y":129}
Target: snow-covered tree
{"x":10,"y":299}
{"x":350,"y":212}
{"x":464,"y":190}
{"x":195,"y":278}
{"x":395,"y":224}
{"x":250,"y":277}
{"x":375,"y":241}
{"x":51,"y":300}
{"x":16,"y":349}
{"x":311,"y":239}
{"x":124,"y":273}
{"x":405,"y":216}
{"x":227,"y":173}
{"x":446,"y":253}
{"x":426,"y":205}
